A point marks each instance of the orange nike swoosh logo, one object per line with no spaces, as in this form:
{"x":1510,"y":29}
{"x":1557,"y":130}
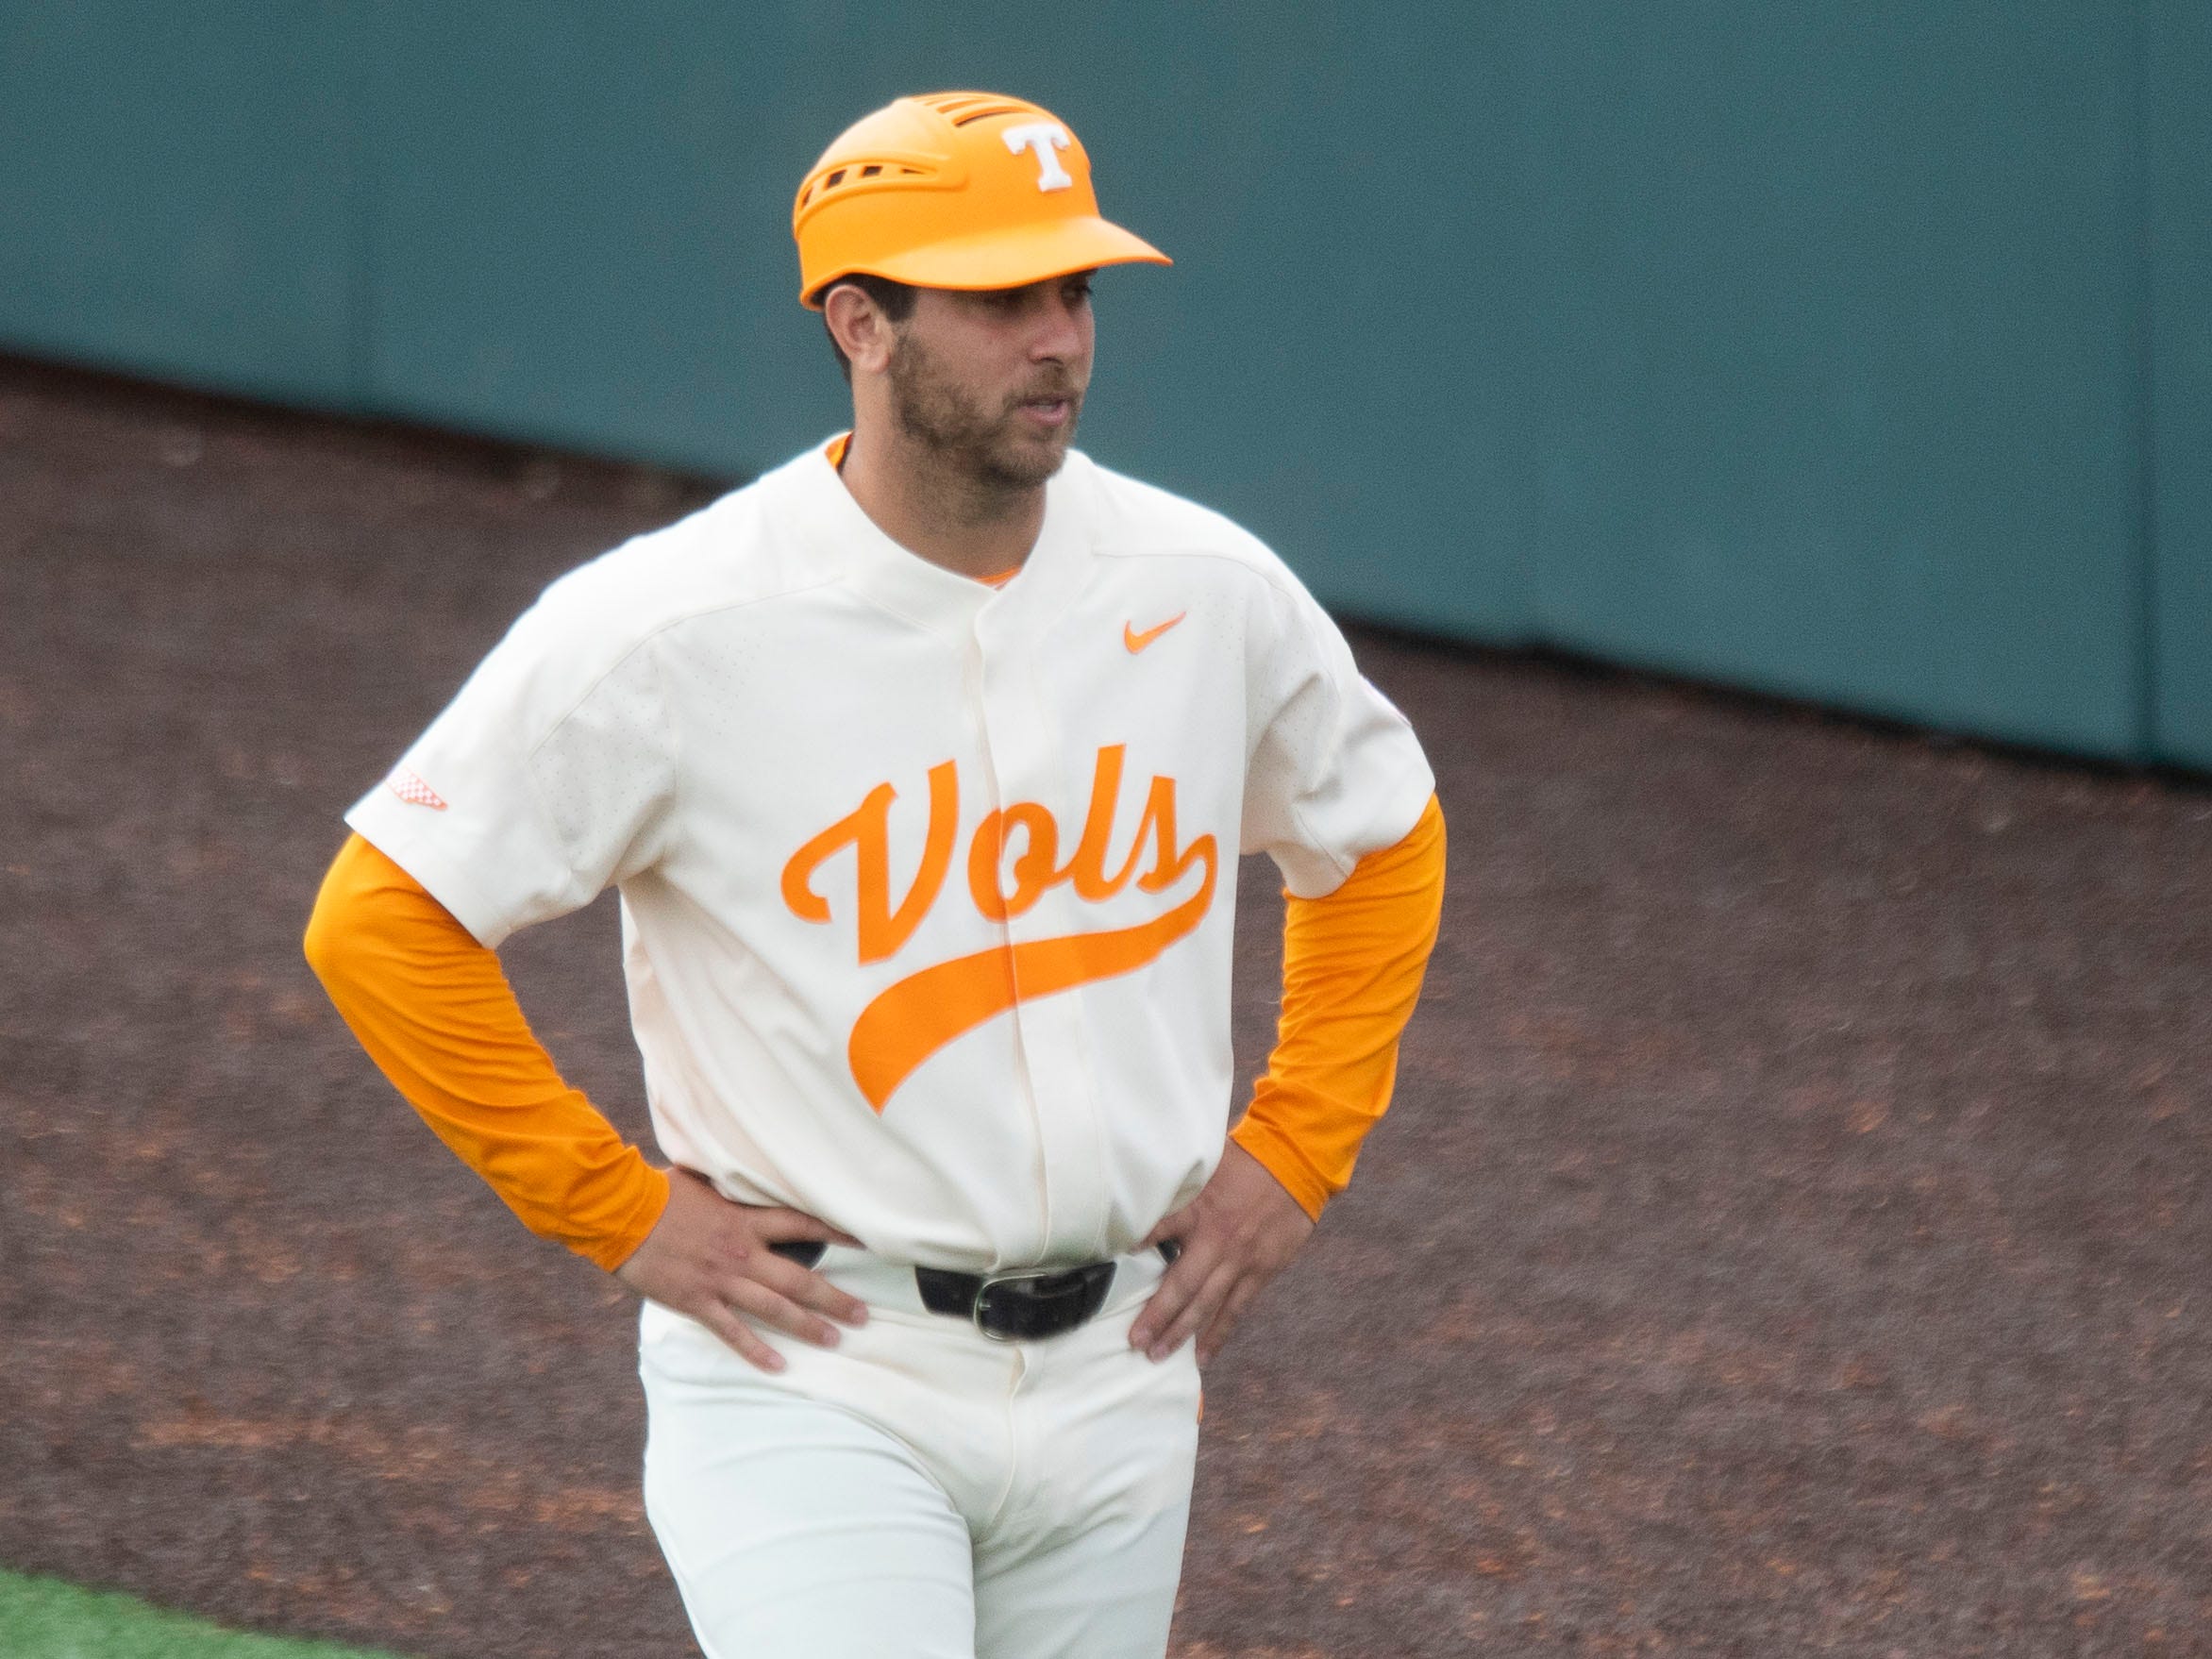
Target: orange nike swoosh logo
{"x":1137,"y":641}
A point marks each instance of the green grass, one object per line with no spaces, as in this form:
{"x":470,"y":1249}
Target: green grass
{"x":43,"y":1619}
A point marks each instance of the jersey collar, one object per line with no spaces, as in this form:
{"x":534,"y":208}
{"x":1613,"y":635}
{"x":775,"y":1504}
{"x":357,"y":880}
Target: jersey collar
{"x":928,"y":595}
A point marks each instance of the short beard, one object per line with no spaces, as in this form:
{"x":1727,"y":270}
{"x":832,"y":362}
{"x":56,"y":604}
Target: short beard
{"x":982,"y":447}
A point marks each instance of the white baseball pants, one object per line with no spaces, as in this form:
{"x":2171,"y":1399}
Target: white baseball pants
{"x":921,"y":1491}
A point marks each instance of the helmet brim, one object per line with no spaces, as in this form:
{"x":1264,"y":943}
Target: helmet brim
{"x":1008,"y":257}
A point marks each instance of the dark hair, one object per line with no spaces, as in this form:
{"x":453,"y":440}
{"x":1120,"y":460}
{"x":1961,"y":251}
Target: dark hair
{"x":896,"y":300}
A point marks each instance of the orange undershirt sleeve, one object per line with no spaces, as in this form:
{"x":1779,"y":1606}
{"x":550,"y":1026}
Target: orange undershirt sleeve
{"x":1351,"y":972}
{"x":435,"y":1012}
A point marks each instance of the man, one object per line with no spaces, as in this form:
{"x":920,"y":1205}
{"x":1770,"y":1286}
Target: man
{"x":919,"y":764}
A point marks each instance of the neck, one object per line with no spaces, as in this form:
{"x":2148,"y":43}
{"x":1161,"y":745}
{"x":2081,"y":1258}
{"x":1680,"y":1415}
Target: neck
{"x":976,"y":526}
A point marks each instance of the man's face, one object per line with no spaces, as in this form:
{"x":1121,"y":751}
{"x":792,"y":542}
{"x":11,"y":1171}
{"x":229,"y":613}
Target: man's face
{"x":993,"y":381}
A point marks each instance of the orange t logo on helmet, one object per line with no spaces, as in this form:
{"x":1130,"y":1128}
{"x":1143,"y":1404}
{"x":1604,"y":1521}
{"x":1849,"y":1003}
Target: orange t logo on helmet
{"x":955,"y":189}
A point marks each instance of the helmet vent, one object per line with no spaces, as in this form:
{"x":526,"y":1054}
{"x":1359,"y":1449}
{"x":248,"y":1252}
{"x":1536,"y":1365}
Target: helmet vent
{"x":962,"y":108}
{"x":852,"y":173}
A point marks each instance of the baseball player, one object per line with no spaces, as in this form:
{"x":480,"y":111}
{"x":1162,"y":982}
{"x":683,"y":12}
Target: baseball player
{"x":920,"y":765}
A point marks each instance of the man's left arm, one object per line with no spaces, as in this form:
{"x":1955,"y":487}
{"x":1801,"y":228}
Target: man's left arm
{"x":1352,"y":961}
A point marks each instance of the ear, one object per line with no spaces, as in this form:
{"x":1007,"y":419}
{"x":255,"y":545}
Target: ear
{"x":861,"y":331}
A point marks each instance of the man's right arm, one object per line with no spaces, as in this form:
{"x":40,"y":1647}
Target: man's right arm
{"x":433,"y":1007}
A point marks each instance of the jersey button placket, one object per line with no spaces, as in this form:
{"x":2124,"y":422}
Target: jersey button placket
{"x":1024,"y":750}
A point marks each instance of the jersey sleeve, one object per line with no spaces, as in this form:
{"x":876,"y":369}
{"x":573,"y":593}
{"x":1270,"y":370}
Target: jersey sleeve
{"x":1335,"y":771}
{"x":548,"y":777}
{"x":434,"y":1010}
{"x":1353,"y":963}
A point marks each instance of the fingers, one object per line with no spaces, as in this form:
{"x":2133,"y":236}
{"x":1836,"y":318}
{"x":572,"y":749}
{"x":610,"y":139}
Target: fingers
{"x":1235,"y":1236}
{"x":780,"y":1226}
{"x":780,"y":1296}
{"x":1166,"y":1301}
{"x":1209,"y":1289}
{"x":1188,"y":1296}
{"x":748,"y":1231}
{"x":712,"y":1260}
{"x":791,"y":1283}
{"x":735,"y":1332}
{"x":1172,"y":1238}
{"x":781,"y":1313}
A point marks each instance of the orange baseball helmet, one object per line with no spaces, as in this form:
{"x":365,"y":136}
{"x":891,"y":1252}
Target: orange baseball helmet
{"x":954,"y":190}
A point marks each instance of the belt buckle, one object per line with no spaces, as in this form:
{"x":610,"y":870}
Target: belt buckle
{"x":1087,"y":1285}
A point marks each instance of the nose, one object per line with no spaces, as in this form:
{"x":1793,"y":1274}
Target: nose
{"x":1059,"y":328}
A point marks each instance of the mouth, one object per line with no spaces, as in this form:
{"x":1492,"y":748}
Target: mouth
{"x":1050,"y":409}
{"x":1046,"y":411}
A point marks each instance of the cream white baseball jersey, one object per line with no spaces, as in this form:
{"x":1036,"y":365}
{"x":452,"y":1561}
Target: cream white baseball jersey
{"x":927,"y":885}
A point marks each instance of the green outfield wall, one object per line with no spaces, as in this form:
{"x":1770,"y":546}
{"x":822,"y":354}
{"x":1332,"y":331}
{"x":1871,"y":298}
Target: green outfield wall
{"x":1856,"y":353}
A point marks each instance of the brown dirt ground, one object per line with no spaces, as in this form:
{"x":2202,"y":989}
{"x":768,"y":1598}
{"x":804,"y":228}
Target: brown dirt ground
{"x":1791,"y":1233}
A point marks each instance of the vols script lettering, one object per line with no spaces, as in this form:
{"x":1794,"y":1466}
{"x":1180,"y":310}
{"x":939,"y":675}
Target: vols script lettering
{"x":920,"y":1014}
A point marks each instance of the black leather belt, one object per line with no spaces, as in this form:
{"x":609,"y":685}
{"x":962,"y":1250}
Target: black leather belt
{"x":1018,"y":1307}
{"x":1023,"y":1306}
